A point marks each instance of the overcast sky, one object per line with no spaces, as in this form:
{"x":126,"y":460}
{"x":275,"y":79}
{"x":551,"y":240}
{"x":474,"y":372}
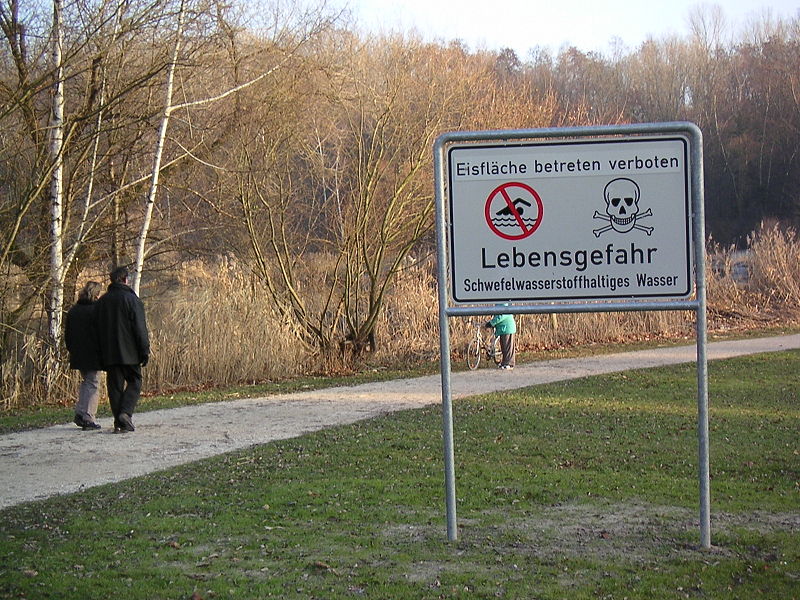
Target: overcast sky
{"x":523,"y":24}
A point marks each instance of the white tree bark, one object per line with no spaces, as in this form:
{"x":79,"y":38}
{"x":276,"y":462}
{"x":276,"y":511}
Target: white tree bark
{"x":159,"y":151}
{"x":317,"y":25}
{"x":56,"y":290}
{"x":83,"y":225}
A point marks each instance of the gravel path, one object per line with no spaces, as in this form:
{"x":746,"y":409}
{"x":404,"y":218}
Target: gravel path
{"x":63,"y":459}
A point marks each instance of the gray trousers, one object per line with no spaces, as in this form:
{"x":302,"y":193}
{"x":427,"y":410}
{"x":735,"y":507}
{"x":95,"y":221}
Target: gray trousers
{"x":88,"y":395}
{"x":508,"y":350}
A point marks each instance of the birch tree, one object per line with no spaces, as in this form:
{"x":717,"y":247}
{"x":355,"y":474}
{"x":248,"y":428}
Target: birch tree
{"x":56,"y":292}
{"x":159,"y":149}
{"x":289,"y":35}
{"x":51,"y":156}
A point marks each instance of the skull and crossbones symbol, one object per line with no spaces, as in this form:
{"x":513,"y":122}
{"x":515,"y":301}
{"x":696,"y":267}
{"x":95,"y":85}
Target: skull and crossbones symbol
{"x":622,"y":208}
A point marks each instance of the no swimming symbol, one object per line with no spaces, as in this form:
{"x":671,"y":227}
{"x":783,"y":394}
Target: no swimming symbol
{"x":513,"y":211}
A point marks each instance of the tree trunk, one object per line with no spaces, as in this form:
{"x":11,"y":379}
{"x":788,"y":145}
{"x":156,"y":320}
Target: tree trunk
{"x":159,"y":153}
{"x":55,"y":300}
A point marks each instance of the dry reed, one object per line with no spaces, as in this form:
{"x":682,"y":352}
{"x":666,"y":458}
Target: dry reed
{"x":774,"y":264}
{"x":212,"y":323}
{"x":214,"y":327}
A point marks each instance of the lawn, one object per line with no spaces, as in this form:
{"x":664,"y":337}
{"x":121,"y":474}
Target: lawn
{"x":583,"y":489}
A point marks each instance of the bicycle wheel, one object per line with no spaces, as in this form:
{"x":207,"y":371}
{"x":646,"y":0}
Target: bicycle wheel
{"x":473,"y":354}
{"x":498,"y":354}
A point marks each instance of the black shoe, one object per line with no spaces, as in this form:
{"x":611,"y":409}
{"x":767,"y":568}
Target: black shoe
{"x":84,"y":424}
{"x":125,"y":423}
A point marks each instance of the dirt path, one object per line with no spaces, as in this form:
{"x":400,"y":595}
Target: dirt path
{"x":63,"y":459}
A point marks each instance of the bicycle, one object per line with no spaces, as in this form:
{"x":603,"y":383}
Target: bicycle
{"x":482,"y":344}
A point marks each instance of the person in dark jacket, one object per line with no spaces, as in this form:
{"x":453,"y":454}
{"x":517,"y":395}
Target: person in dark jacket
{"x":84,"y":354}
{"x":124,"y":347}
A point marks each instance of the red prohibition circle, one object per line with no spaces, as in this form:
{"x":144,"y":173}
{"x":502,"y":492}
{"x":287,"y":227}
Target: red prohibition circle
{"x":513,"y":211}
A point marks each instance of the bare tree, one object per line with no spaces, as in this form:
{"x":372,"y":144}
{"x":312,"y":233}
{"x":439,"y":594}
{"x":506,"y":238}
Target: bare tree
{"x":660,"y":88}
{"x":48,"y":208}
{"x":56,"y":292}
{"x":338,"y":201}
{"x":291,"y":36}
{"x":159,"y":149}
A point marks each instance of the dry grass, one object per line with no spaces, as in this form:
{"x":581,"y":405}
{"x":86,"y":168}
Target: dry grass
{"x":212,"y":324}
{"x":216,"y":327}
{"x":775,"y":268}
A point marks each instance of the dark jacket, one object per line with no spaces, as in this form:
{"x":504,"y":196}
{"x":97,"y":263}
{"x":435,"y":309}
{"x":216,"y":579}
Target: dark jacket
{"x":121,"y":327}
{"x":80,"y":337}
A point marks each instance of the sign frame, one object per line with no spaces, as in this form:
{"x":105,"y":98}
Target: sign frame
{"x":448,"y":308}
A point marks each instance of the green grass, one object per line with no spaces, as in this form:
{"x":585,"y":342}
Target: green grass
{"x":583,"y":489}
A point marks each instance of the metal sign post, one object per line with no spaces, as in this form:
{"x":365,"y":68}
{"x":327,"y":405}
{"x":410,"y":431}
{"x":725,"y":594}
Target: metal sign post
{"x":566,"y":220}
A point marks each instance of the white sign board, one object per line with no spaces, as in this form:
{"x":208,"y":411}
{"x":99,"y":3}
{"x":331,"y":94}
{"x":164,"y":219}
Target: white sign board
{"x":589,"y":219}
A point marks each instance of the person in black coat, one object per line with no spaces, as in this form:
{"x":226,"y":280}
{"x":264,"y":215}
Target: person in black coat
{"x":124,"y":347}
{"x":80,"y":337}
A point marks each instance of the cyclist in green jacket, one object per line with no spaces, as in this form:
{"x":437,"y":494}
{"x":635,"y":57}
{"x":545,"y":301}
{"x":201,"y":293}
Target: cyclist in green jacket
{"x":504,"y":328}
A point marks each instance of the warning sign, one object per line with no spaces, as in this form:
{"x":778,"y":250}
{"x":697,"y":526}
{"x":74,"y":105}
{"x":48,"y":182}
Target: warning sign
{"x":513,"y":211}
{"x":589,"y":219}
